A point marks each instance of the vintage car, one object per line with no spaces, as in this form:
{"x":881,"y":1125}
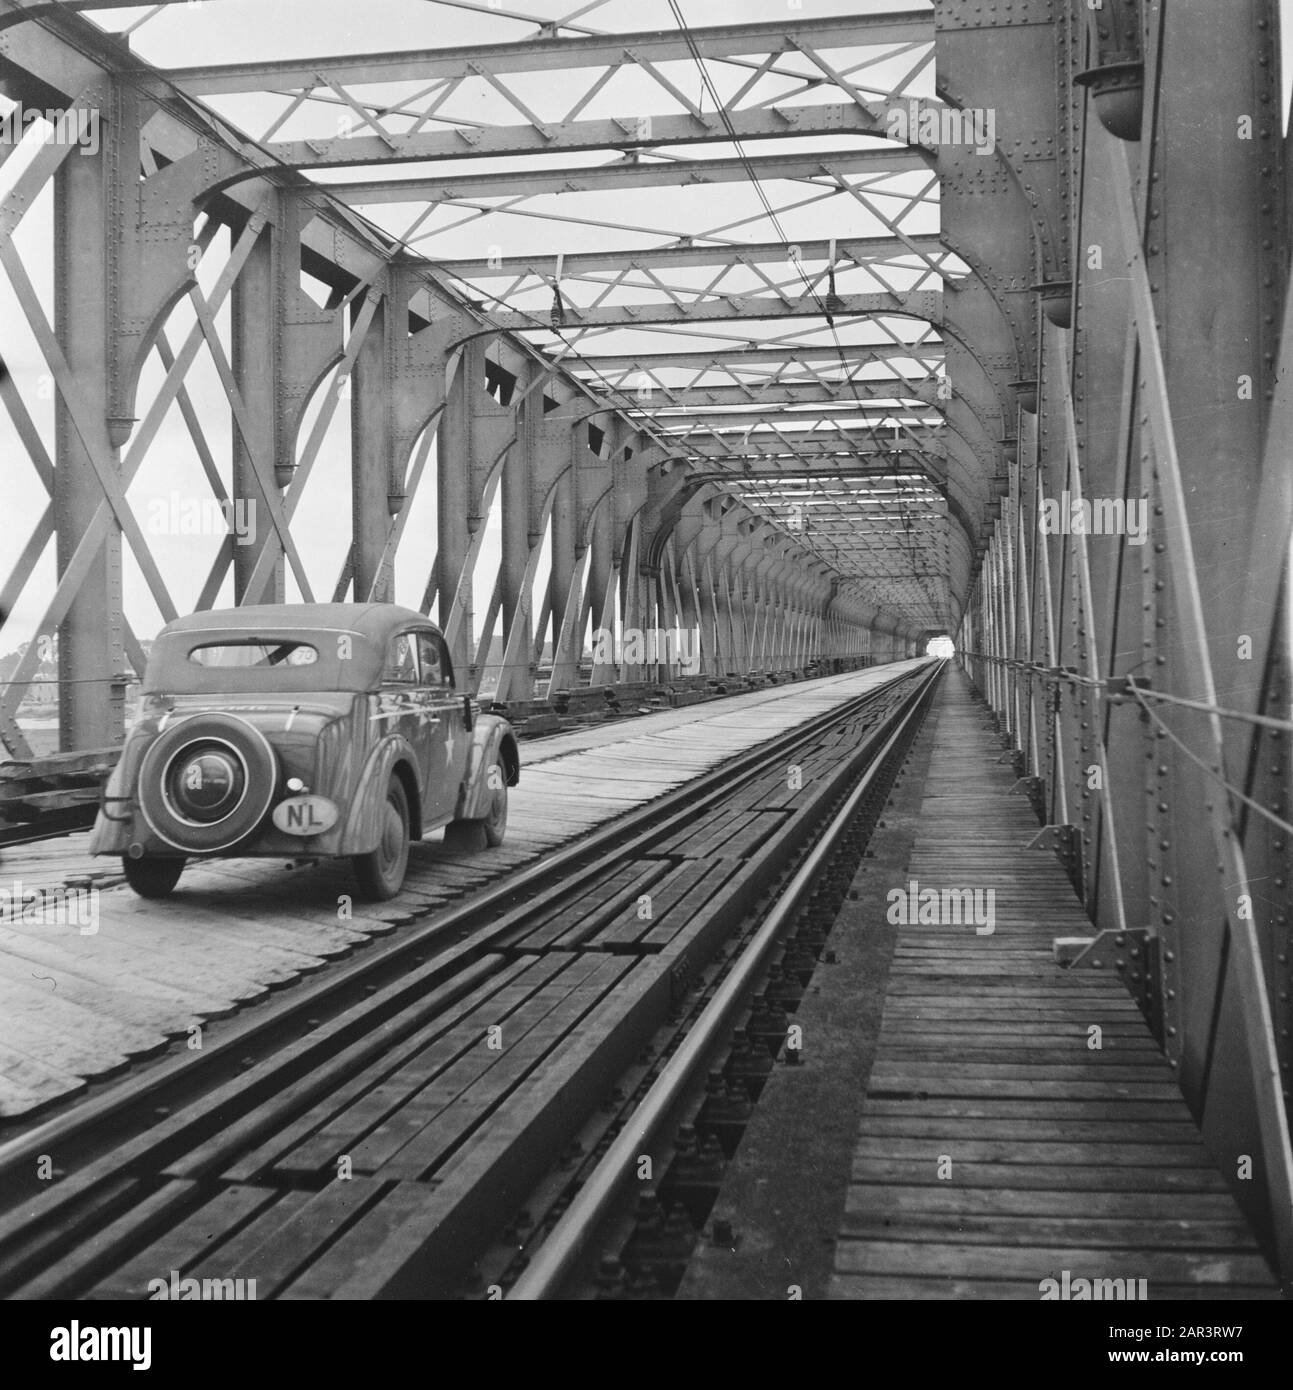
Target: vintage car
{"x":302,"y":731}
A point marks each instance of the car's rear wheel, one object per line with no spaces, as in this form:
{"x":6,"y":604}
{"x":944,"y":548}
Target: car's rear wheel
{"x":381,"y":872}
{"x":495,"y":823}
{"x":152,"y":876}
{"x":466,"y":834}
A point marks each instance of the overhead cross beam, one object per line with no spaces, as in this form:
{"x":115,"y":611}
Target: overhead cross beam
{"x":43,"y":9}
{"x":557,"y":54}
{"x":631,"y":173}
{"x":761,"y":357}
{"x":860,"y":250}
{"x":807,"y":445}
{"x":653,"y":399}
{"x":912,"y":421}
{"x":758,"y":473}
{"x":356,"y":145}
{"x":923,"y":304}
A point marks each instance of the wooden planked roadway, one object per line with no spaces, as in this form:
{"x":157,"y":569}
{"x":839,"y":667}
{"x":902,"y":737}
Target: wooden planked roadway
{"x":996,"y":1149}
{"x":77,"y":1005}
{"x":428,"y":1126}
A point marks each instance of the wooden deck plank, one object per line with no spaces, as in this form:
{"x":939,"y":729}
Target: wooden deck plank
{"x":238,"y":928}
{"x":997,"y":1147}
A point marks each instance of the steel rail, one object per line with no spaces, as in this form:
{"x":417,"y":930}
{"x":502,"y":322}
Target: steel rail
{"x":39,"y":1248}
{"x":205,"y":1082}
{"x":542,"y":1276}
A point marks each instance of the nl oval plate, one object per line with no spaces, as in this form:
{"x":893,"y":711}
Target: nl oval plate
{"x":305,"y":815}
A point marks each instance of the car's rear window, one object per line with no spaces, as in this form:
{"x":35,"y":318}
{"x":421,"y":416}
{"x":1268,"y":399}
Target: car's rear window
{"x":192,"y":663}
{"x":264,"y":655}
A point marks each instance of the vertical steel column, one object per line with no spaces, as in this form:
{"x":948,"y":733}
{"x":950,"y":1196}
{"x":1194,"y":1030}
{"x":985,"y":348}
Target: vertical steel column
{"x":726,"y":616}
{"x":570,"y":633}
{"x":757,"y":615}
{"x":603,"y":581}
{"x":371,"y":483}
{"x":1228,"y":1056}
{"x":1093,"y":703}
{"x":1028,"y":649}
{"x":632,"y":600}
{"x":566,"y":552}
{"x":88,"y":225}
{"x":516,"y":572}
{"x":255,"y":305}
{"x":735,"y":573}
{"x":457,"y":444}
{"x":712,"y":658}
{"x":689,"y":609}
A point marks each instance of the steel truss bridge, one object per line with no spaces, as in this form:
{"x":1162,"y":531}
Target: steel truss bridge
{"x":710,"y":327}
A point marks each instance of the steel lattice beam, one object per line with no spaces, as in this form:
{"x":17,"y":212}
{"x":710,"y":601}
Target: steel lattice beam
{"x":43,"y":9}
{"x":762,"y":357}
{"x":837,"y":414}
{"x":557,"y":54}
{"x":794,"y":444}
{"x":924,"y":304}
{"x":358,"y":147}
{"x":859,"y":250}
{"x":629,"y":174}
{"x":830,"y":396}
{"x":812,"y":474}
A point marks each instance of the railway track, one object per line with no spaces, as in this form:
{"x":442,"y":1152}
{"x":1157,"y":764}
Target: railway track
{"x":50,"y":798}
{"x":372,"y":1133}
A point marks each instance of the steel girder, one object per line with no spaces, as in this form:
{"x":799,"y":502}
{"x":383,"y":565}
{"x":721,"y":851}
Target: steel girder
{"x":628,"y":173}
{"x":1166,"y":393}
{"x":858,"y":250}
{"x":925,"y":305}
{"x":843,"y":395}
{"x":550,"y":54}
{"x":352,"y":149}
{"x":771,"y":358}
{"x":834,"y":416}
{"x":394,"y":351}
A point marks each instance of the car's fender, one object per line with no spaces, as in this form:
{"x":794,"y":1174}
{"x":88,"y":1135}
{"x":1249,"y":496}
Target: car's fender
{"x":362,"y":830}
{"x":117,"y":825}
{"x":113,"y":825}
{"x":492,"y":742}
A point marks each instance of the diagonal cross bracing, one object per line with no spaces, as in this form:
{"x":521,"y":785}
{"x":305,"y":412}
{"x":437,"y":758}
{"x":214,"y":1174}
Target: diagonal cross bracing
{"x":557,"y":54}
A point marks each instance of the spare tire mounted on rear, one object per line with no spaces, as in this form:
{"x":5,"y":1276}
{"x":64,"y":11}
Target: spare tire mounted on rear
{"x":207,"y":782}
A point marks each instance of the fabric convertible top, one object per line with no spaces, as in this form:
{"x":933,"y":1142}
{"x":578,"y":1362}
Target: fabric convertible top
{"x":350,"y":638}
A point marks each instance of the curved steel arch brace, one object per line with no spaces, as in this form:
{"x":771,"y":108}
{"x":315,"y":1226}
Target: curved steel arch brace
{"x":1030,"y":146}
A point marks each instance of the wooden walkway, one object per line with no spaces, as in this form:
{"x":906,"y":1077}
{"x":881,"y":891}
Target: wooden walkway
{"x":997,"y":1149}
{"x":82,"y":1002}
